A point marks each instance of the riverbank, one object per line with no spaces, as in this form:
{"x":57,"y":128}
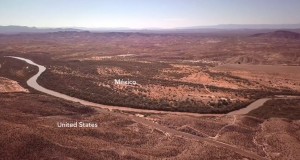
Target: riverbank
{"x":32,"y":82}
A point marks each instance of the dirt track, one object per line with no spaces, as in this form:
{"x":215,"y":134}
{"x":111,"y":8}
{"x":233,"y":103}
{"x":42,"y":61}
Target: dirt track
{"x":168,"y":131}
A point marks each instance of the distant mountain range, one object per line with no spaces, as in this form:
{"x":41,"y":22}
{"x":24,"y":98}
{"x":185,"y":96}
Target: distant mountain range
{"x":251,"y":28}
{"x":25,"y":29}
{"x":248,"y":26}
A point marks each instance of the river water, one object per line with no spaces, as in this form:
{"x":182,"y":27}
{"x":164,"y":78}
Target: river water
{"x":32,"y":82}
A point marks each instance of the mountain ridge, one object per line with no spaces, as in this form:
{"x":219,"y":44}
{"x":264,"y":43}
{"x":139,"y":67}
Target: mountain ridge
{"x":14,"y":29}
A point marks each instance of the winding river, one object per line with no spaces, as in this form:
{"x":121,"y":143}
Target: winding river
{"x":32,"y":82}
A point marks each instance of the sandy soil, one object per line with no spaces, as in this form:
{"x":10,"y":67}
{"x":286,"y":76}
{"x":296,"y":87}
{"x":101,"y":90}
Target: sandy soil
{"x":7,"y":85}
{"x":274,"y":76}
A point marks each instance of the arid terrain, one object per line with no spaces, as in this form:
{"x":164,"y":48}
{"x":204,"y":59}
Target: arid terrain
{"x":174,"y":72}
{"x":205,"y":75}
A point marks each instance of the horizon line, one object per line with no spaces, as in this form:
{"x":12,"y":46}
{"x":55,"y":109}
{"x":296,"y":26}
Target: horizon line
{"x":152,"y":28}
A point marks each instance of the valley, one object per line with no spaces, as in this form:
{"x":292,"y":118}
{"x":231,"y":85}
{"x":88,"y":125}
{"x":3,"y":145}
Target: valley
{"x":182,"y":106}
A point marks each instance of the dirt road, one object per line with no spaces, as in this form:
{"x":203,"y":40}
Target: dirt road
{"x":167,"y":131}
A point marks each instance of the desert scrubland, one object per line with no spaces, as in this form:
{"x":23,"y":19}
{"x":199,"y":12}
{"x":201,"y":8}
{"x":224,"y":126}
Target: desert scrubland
{"x":210,"y":75}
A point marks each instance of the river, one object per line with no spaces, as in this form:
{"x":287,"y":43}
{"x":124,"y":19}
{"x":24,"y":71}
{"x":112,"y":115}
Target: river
{"x":32,"y":82}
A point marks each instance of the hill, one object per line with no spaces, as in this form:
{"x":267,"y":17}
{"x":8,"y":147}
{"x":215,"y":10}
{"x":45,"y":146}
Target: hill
{"x":279,"y":34}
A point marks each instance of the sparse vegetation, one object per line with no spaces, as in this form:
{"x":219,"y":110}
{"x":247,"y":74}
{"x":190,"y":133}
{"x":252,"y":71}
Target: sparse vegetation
{"x":280,"y":108}
{"x":175,"y":72}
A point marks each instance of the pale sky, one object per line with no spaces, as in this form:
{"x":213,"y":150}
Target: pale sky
{"x":147,"y":13}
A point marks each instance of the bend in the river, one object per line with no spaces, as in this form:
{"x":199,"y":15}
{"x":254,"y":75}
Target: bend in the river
{"x":32,"y":82}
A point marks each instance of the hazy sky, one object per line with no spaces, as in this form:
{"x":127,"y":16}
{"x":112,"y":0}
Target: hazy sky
{"x":147,"y":13}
